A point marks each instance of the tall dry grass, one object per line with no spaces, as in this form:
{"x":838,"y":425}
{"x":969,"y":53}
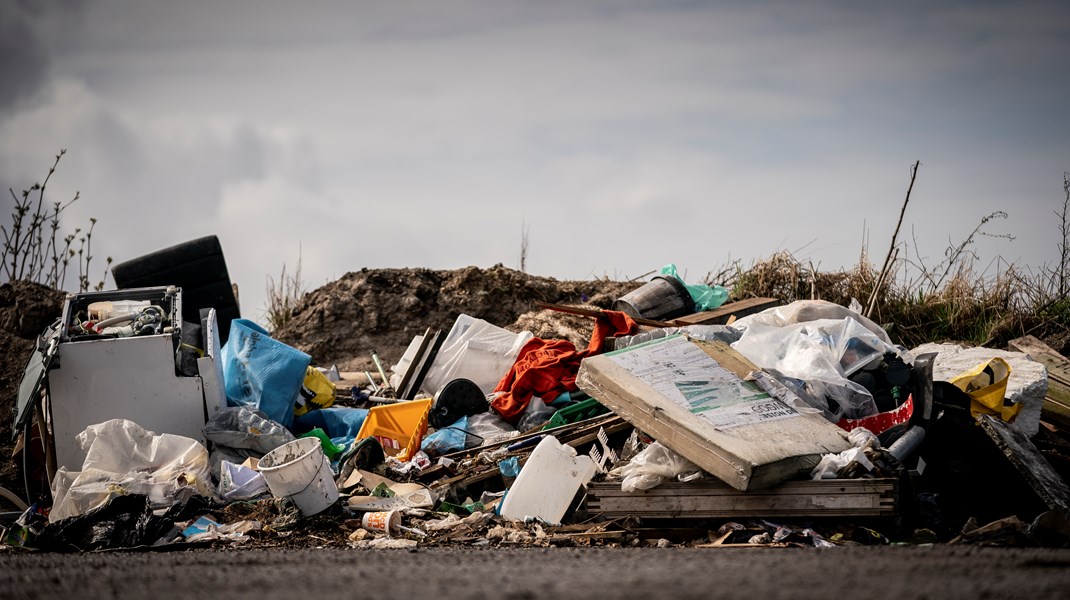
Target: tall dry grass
{"x":967,"y":306}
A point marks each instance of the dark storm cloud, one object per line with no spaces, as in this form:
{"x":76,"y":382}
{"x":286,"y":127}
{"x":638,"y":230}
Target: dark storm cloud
{"x":23,"y":59}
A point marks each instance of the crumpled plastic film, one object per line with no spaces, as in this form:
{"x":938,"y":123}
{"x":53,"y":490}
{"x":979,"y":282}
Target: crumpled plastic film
{"x":123,"y":458}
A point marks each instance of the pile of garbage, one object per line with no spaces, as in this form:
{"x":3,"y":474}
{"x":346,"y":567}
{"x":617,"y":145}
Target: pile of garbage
{"x":681,"y":418}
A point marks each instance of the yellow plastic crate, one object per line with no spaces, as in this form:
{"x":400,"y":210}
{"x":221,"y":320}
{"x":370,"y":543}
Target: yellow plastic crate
{"x":399,"y":427}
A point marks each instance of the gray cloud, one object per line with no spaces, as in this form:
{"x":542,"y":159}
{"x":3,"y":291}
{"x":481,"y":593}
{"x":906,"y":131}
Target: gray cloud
{"x":23,"y":58}
{"x":625,"y":134}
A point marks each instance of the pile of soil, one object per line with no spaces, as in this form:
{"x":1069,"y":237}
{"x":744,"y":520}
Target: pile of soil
{"x":25,"y":310}
{"x":383,"y":309}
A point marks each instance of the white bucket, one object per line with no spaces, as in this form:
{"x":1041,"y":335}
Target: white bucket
{"x":300,"y":471}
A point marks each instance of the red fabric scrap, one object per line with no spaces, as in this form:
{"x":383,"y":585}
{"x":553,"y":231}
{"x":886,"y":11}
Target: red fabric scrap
{"x":548,"y":368}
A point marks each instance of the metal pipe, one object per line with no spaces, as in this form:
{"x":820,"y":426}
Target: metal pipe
{"x":379,"y":365}
{"x":907,"y":443}
{"x":375,"y":388}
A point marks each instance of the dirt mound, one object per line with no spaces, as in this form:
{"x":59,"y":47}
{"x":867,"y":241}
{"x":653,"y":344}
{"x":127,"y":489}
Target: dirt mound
{"x":383,"y":309}
{"x":25,"y":310}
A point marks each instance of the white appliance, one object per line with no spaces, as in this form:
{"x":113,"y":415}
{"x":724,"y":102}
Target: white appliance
{"x":148,"y":377}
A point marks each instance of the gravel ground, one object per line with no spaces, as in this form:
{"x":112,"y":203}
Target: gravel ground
{"x":855,"y":573}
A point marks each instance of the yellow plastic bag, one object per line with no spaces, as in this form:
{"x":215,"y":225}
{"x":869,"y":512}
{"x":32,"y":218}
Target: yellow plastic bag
{"x":986,"y":385}
{"x":316,"y":392}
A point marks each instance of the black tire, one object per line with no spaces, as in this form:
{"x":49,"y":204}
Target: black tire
{"x":198,"y":267}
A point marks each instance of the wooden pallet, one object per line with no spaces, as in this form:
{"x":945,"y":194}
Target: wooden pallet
{"x":715,"y":499}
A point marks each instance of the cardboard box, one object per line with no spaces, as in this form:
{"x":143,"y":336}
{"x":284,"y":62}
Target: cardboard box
{"x":698,"y":399}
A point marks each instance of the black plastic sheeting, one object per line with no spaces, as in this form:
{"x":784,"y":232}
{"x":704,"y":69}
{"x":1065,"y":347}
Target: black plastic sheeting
{"x":124,"y":522}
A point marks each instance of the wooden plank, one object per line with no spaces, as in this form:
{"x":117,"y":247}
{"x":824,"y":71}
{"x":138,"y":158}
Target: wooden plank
{"x":719,"y":488}
{"x":594,"y":312}
{"x":714,"y":499}
{"x":721,"y":314}
{"x":1058,"y":365}
{"x":1028,"y":461}
{"x":1056,"y":408}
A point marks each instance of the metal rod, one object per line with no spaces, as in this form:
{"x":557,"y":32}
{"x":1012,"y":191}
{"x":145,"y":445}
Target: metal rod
{"x":379,"y":365}
{"x":375,"y":388}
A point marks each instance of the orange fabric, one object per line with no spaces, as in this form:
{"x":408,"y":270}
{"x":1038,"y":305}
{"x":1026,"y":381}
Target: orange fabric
{"x":547,"y":368}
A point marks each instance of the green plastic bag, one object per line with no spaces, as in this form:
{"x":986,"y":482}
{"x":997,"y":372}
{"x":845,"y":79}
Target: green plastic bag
{"x":706,"y":297}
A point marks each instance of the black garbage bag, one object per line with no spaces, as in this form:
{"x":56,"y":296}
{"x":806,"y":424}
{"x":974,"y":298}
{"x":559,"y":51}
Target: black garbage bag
{"x":124,"y":522}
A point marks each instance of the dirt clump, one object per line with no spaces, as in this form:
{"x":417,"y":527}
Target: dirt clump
{"x":383,"y":309}
{"x":26,"y":308}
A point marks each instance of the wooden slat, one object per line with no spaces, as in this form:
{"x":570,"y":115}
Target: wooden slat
{"x":1028,"y":461}
{"x":715,"y":499}
{"x":721,"y":314}
{"x":1056,"y":408}
{"x":594,"y":312}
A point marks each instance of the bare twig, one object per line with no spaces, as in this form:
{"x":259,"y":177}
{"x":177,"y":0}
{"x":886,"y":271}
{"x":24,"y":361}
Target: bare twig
{"x":1062,"y":272}
{"x":891,"y":247}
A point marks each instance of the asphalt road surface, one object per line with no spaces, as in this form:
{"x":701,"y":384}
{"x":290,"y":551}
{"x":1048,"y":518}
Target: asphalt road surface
{"x":851,"y":573}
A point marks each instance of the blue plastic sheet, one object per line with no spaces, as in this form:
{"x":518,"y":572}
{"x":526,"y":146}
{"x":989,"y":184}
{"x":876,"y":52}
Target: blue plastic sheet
{"x":446,"y":440}
{"x":336,"y":421}
{"x":261,"y":372}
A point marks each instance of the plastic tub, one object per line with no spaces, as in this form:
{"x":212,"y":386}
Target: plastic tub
{"x":299,"y":470}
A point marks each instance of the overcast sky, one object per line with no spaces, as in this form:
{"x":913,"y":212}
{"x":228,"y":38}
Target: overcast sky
{"x":623,"y":134}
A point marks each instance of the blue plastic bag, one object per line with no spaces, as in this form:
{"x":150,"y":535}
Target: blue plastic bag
{"x":337,"y":421}
{"x":261,"y":372}
{"x":706,"y":297}
{"x":446,"y":440}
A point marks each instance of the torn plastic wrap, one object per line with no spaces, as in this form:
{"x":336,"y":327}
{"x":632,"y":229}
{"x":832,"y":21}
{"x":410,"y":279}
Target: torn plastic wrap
{"x":241,"y":432}
{"x":475,"y":350}
{"x":653,"y":466}
{"x":803,"y":311}
{"x":238,"y":482}
{"x":706,"y":297}
{"x":832,"y":466}
{"x":123,"y":458}
{"x":814,"y":358}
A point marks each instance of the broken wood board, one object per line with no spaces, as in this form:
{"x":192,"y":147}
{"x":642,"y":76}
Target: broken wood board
{"x":693,"y":397}
{"x":715,"y":499}
{"x":1057,"y":401}
{"x":1028,"y":461}
{"x":594,"y":313}
{"x":721,"y":314}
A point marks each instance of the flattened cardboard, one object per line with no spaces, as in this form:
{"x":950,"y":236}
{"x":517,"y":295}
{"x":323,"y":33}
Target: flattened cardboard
{"x":695,"y":398}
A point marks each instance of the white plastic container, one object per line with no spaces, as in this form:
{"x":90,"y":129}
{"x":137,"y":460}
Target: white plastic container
{"x":546,"y":485}
{"x":300,"y":471}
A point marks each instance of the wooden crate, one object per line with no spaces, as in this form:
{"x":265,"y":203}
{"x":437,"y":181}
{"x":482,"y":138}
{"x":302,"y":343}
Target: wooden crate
{"x":715,"y":499}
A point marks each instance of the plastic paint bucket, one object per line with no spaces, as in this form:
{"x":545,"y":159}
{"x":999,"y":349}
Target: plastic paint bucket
{"x":387,"y":521}
{"x":663,"y":297}
{"x":299,"y":470}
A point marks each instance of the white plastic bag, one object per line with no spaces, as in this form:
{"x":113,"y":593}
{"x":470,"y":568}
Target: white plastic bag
{"x":803,"y":311}
{"x":536,"y":413}
{"x":488,"y":428}
{"x":832,"y":464}
{"x":475,"y":350}
{"x":123,"y":458}
{"x":653,"y":466}
{"x":819,"y":355}
{"x":238,"y":482}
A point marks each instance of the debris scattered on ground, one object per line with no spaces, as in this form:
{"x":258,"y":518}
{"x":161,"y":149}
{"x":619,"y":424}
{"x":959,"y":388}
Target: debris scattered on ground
{"x":428,"y":408}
